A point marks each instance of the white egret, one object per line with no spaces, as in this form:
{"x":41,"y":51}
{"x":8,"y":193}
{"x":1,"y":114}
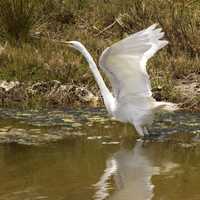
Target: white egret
{"x":125,"y":65}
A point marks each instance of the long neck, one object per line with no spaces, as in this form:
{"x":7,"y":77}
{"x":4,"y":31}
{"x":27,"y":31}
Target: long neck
{"x":106,"y":94}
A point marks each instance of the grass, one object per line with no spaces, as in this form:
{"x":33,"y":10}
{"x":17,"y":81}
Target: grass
{"x":17,"y":18}
{"x":83,"y":20}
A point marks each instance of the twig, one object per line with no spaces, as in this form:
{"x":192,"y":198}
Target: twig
{"x":117,"y":21}
{"x":120,"y":23}
{"x":105,"y":29}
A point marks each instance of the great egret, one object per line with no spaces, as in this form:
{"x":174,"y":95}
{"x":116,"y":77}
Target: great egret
{"x":125,"y":65}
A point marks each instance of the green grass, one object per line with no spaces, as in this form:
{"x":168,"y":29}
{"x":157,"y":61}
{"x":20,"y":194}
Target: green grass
{"x":41,"y":59}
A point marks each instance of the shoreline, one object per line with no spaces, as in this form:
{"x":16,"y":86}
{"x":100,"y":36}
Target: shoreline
{"x":54,"y":94}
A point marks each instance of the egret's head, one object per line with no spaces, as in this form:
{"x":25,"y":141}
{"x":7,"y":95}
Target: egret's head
{"x":78,"y":46}
{"x":75,"y":44}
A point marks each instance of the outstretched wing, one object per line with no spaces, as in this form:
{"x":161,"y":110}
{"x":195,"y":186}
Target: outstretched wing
{"x":125,"y":62}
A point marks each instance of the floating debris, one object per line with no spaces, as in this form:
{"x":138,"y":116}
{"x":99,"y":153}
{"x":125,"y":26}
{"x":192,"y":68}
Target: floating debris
{"x":68,"y":120}
{"x":94,"y":137}
{"x":76,"y":125}
{"x":114,"y":142}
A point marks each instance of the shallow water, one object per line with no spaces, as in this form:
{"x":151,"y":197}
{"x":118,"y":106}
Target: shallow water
{"x":82,"y":154}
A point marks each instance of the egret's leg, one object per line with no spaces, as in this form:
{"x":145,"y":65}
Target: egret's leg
{"x":146,"y":132}
{"x":140,"y":130}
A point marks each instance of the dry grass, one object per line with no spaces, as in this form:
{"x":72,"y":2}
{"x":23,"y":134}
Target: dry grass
{"x":84,"y":20}
{"x":17,"y":18}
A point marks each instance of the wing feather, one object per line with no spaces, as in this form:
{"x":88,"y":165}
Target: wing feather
{"x":125,"y":62}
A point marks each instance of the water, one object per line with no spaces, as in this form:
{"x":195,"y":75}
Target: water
{"x":81,"y":154}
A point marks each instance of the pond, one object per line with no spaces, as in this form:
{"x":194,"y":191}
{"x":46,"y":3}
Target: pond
{"x":83,"y":154}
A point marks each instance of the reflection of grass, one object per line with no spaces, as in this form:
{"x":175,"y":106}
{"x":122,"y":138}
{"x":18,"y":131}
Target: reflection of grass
{"x":43,"y":60}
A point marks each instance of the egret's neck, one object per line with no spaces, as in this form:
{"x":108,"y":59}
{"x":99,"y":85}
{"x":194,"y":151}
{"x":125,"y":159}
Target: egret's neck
{"x":107,"y":96}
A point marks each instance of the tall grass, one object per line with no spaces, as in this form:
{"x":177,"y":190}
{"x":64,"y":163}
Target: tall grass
{"x":17,"y":18}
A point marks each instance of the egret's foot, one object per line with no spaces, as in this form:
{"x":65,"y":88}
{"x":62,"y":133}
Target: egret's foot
{"x":151,"y":136}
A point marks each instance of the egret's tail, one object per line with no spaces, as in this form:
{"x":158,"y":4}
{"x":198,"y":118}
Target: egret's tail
{"x":166,"y":106}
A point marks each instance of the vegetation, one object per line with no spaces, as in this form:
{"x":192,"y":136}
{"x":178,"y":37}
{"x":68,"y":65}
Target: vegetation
{"x":17,"y":18}
{"x":30,"y":26}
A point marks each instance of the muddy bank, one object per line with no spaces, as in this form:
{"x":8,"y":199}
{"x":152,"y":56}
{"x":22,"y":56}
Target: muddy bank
{"x":44,"y":94}
{"x":188,"y":92}
{"x":55,"y":94}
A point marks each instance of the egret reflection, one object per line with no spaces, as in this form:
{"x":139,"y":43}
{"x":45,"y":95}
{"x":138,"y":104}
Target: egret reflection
{"x":103,"y":185}
{"x":131,"y":171}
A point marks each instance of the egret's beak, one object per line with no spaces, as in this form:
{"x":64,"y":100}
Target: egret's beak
{"x":68,"y":43}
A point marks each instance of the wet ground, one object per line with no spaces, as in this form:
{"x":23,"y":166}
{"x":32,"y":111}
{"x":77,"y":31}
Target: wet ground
{"x":82,"y":154}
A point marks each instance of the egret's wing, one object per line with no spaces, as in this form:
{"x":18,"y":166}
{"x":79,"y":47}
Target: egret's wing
{"x":125,"y":62}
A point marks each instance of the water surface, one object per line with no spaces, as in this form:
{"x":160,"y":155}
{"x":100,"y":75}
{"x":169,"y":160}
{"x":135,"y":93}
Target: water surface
{"x":82,"y":154}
